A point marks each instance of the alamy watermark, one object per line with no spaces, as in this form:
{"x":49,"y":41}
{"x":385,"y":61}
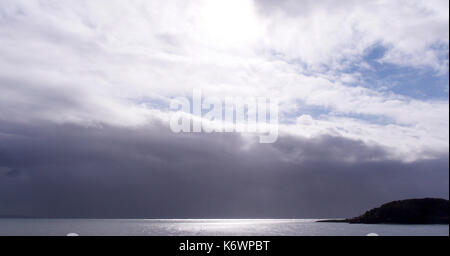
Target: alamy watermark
{"x":257,"y":115}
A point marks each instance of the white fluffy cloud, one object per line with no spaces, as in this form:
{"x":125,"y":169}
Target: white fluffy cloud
{"x":119,"y":62}
{"x":326,"y":32}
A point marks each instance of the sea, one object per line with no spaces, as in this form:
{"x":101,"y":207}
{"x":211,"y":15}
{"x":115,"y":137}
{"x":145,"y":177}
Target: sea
{"x":208,"y":227}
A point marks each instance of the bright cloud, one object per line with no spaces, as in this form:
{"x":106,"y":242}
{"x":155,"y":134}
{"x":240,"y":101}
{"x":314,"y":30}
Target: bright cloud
{"x":90,"y":62}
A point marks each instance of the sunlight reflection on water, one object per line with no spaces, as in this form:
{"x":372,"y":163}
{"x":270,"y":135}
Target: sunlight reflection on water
{"x":208,"y":227}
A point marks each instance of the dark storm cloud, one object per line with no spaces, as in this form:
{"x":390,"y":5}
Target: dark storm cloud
{"x":53,"y":170}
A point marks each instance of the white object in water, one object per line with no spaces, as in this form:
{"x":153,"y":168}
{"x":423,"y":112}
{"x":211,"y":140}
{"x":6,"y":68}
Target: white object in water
{"x":72,"y":234}
{"x":372,"y":234}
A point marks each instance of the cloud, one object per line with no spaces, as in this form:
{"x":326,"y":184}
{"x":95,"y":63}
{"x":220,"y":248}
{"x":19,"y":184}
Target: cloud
{"x":85,"y":88}
{"x":76,"y":63}
{"x":325,"y":33}
{"x":74,"y":171}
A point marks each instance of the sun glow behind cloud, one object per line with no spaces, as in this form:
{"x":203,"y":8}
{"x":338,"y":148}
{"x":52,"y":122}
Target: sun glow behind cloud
{"x":229,"y":23}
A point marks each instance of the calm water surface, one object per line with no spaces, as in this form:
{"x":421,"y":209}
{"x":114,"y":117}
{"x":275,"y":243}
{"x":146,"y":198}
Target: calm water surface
{"x":145,"y":227}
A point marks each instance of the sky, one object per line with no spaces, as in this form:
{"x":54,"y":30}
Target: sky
{"x":85,"y":88}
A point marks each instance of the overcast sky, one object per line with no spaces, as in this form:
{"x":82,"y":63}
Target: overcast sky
{"x":85,"y":88}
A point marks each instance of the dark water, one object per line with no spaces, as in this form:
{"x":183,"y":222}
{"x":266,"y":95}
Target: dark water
{"x":145,"y":227}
